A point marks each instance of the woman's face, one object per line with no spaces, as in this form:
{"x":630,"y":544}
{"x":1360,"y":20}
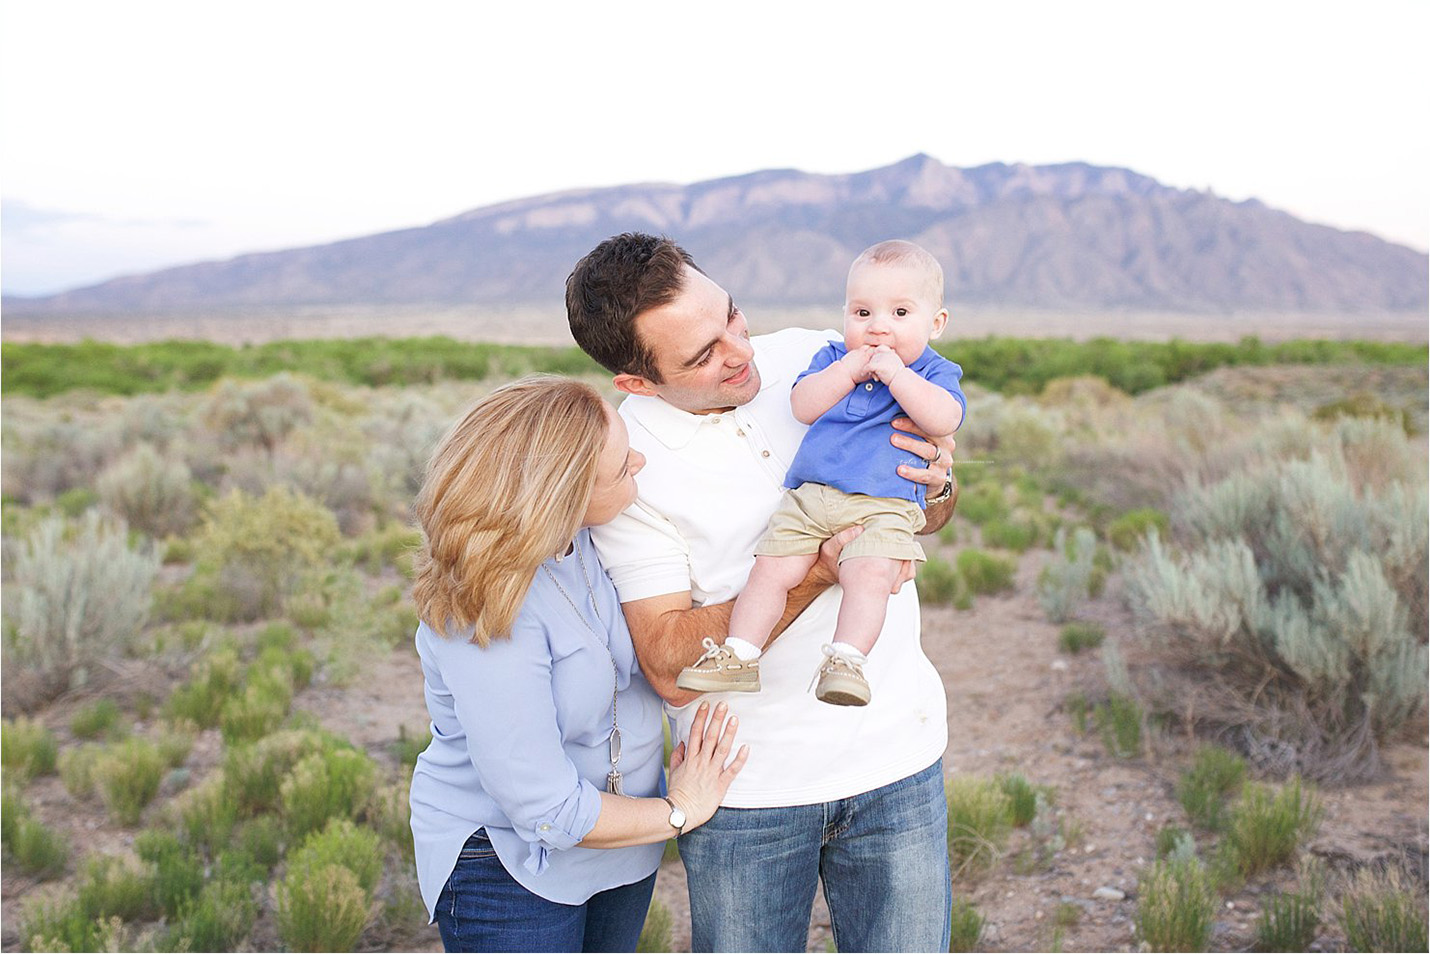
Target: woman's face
{"x":616,"y":471}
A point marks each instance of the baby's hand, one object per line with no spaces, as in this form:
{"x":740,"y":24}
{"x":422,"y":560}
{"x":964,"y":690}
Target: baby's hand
{"x":885,"y":363}
{"x":856,"y":362}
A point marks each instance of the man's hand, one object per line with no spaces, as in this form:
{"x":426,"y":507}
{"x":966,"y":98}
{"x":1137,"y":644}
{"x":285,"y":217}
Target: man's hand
{"x":825,"y":571}
{"x":936,"y":451}
{"x":884,"y":363}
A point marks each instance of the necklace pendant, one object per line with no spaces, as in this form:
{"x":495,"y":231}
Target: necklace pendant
{"x":614,"y":783}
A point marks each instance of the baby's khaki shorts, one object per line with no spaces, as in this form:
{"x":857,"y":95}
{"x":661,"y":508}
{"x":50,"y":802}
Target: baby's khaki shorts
{"x":812,"y":513}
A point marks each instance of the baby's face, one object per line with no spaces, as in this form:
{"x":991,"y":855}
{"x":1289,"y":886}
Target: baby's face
{"x":891,"y":304}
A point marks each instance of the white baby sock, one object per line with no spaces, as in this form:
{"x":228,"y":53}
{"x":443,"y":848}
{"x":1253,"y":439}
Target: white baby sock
{"x":854,"y":655}
{"x":742,"y":648}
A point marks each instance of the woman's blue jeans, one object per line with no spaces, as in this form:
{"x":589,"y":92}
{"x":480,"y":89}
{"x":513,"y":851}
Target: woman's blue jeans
{"x":883,"y":856}
{"x":482,"y":908}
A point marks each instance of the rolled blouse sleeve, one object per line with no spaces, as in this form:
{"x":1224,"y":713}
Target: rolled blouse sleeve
{"x":504,"y":702}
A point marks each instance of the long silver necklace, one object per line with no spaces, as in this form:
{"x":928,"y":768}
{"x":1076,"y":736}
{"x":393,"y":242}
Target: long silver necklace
{"x":614,"y":781}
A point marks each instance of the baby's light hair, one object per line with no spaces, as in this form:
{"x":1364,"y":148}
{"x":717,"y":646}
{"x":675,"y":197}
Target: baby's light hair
{"x":899,"y":252}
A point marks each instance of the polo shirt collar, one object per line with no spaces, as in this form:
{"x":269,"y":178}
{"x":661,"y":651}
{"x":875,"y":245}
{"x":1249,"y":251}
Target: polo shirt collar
{"x":669,"y":424}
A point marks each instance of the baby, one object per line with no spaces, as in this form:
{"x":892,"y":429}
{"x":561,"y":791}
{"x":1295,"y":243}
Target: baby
{"x":845,"y":473}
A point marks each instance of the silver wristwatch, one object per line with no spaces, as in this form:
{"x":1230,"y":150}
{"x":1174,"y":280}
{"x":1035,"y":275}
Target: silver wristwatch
{"x":677,"y":817}
{"x":943,"y":494}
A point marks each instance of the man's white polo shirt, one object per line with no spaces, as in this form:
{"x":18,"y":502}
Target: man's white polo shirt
{"x":708,"y":488}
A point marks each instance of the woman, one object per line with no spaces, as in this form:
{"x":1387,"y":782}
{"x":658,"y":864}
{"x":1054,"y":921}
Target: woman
{"x":542,"y":725}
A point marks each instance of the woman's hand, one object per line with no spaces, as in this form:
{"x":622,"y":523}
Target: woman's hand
{"x":699,"y":775}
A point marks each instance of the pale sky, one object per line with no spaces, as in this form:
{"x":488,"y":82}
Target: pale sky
{"x":146,"y":133}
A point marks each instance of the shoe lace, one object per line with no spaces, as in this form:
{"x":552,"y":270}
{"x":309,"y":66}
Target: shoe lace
{"x":833,"y":659}
{"x":713,"y":650}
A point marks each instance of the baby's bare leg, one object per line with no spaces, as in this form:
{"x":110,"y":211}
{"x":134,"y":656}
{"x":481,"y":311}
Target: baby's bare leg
{"x":866,"y":582}
{"x":761,"y":604}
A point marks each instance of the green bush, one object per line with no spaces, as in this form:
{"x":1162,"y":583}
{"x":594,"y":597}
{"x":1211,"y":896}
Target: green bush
{"x":261,"y":839}
{"x":178,"y":869}
{"x":79,"y":595}
{"x":153,"y":494}
{"x":255,"y":773}
{"x":966,"y":933}
{"x":1119,"y":721}
{"x":407,"y":746}
{"x":99,"y":718}
{"x":322,"y":910}
{"x":1075,"y":637}
{"x":1265,"y":828}
{"x":1129,"y":530}
{"x":1176,"y":906}
{"x":1070,"y":576}
{"x":27,"y":749}
{"x":1175,"y":841}
{"x":327,"y":785}
{"x":77,"y":768}
{"x":1379,"y":912}
{"x":344,"y":844}
{"x":937,"y":581}
{"x":260,"y":549}
{"x":35,"y":849}
{"x":201,"y":700}
{"x":1216,"y":775}
{"x":1298,"y":606}
{"x":219,"y":917}
{"x":127,"y":777}
{"x":206,"y":813}
{"x":1289,"y":920}
{"x":982,"y":502}
{"x":60,"y":924}
{"x":256,"y":713}
{"x":1022,"y":799}
{"x":1011,"y":534}
{"x":116,"y":887}
{"x":979,"y":820}
{"x":986,"y":573}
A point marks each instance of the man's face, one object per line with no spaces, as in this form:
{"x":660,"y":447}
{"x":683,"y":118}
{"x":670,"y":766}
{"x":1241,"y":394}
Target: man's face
{"x":701,"y":346}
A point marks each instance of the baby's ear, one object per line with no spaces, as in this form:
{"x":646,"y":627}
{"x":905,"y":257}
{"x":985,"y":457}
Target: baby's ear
{"x":940,"y":321}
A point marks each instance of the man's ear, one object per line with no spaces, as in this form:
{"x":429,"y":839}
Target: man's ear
{"x":633,"y":384}
{"x":940,"y":321}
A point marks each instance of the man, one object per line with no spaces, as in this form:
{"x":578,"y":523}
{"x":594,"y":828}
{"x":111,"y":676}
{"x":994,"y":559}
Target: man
{"x":852,"y":795}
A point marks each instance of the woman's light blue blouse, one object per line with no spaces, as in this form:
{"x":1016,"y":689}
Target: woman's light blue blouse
{"x":520,"y":741}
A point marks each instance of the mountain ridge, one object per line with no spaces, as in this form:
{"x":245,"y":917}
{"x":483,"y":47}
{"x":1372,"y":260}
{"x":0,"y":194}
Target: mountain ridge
{"x":1063,"y":236}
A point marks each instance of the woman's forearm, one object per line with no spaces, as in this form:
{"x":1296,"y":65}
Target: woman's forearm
{"x":624,"y":822}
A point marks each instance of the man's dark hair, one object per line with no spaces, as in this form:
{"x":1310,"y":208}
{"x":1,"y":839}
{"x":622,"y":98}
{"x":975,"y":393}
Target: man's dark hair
{"x":619,"y":279}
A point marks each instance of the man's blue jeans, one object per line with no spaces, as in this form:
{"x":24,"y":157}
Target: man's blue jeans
{"x":482,"y":908}
{"x":883,"y":856}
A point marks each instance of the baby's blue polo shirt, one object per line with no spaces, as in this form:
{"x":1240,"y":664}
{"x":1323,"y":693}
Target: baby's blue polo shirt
{"x":848,"y":448}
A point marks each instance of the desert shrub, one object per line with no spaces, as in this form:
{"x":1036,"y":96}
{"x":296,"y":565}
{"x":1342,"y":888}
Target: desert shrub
{"x":1363,"y":404}
{"x":260,"y":549}
{"x":986,"y":572}
{"x":206,"y":813}
{"x":218,"y":918}
{"x":937,"y":581}
{"x":1176,"y":906}
{"x":1119,"y":722}
{"x":655,"y":933}
{"x":1078,"y":709}
{"x":408,"y":745}
{"x":323,"y":910}
{"x":176,"y":741}
{"x":254,"y":714}
{"x":1216,"y":774}
{"x":1018,"y":532}
{"x":33,"y":847}
{"x":1129,"y":530}
{"x":1380,"y":912}
{"x":260,"y":413}
{"x":1175,"y":841}
{"x":77,"y":768}
{"x":27,"y":749}
{"x":261,"y":839}
{"x":60,"y":924}
{"x":79,"y":595}
{"x":1289,"y":920}
{"x":150,"y":492}
{"x":255,"y":773}
{"x":387,"y":547}
{"x":127,"y":777}
{"x":44,"y":457}
{"x":1069,"y":577}
{"x":1296,"y":614}
{"x":979,"y":819}
{"x":982,"y":502}
{"x":116,"y":887}
{"x":99,"y":718}
{"x":325,"y":785}
{"x":1265,"y":828}
{"x":967,"y":925}
{"x":1075,"y":637}
{"x":344,"y":844}
{"x":1022,"y":799}
{"x":212,"y":681}
{"x":178,"y":870}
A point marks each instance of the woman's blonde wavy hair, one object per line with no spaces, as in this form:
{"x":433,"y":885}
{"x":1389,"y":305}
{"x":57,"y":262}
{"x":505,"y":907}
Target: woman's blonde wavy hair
{"x":505,"y":490}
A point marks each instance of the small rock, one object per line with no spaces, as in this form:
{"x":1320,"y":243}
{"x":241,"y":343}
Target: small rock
{"x":1060,"y":665}
{"x":1149,"y":817}
{"x":1106,"y":893}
